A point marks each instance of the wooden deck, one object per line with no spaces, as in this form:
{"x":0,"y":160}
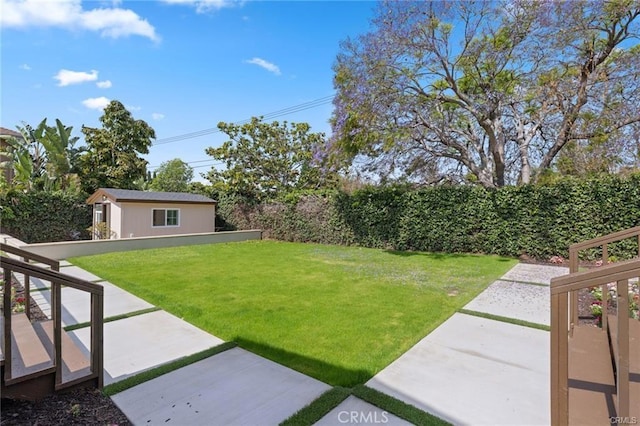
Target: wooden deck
{"x":595,"y":373}
{"x":592,"y":378}
{"x":38,"y":358}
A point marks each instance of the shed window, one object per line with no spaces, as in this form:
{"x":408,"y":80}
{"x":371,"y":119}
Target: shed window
{"x":166,"y":217}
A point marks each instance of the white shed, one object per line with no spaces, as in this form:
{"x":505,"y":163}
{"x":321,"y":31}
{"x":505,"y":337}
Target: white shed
{"x":124,"y":213}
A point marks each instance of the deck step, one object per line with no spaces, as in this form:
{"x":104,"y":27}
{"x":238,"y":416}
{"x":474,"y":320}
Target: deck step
{"x":32,"y":352}
{"x":75,"y":364}
{"x":29,"y":355}
{"x":634,"y":360}
{"x":591,"y":381}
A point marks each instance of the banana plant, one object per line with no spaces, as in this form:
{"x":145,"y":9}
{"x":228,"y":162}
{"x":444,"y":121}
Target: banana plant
{"x":42,"y":158}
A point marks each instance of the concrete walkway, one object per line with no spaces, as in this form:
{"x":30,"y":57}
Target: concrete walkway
{"x":235,"y":387}
{"x":477,"y":371}
{"x":470,"y":370}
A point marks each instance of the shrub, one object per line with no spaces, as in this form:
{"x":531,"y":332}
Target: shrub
{"x":36,"y":217}
{"x":540,"y":221}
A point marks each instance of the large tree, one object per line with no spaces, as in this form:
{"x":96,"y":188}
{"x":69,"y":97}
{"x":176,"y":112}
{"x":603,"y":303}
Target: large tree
{"x":485,"y":91}
{"x":263,"y":160}
{"x":112,"y":158}
{"x":172,"y":176}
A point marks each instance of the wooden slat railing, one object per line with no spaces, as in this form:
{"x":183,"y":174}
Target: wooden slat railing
{"x":57,"y":279}
{"x":561,"y":287}
{"x":574,"y":252}
{"x":27,"y":257}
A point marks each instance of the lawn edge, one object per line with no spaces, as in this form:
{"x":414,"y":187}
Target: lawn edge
{"x":73,"y":327}
{"x":318,"y":408}
{"x":329,"y":400}
{"x":397,"y":407}
{"x":147,"y":375}
{"x":524,"y":282}
{"x":505,"y":319}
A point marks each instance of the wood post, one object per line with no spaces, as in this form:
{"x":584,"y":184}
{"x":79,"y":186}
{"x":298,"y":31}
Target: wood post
{"x":56,"y":312}
{"x":27,"y":292}
{"x":573,"y":267}
{"x":6,"y":311}
{"x":97,"y":333}
{"x":559,"y":359}
{"x":622,"y":371}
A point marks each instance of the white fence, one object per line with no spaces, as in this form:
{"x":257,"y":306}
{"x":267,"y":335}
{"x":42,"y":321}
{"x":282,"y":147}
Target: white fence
{"x":65,"y":249}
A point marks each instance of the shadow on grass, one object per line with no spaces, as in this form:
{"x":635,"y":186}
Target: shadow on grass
{"x":440,"y":255}
{"x":334,"y":375}
{"x":434,"y":256}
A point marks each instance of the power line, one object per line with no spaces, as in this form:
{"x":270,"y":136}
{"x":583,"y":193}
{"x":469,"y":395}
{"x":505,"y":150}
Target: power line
{"x":285,"y":111}
{"x":213,"y":163}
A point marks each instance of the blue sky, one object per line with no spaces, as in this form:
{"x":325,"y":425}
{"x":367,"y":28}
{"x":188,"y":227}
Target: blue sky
{"x":180,"y":65}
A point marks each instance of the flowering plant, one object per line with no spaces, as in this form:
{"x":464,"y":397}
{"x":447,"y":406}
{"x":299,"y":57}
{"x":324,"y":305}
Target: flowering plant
{"x":633,"y":294}
{"x":634,"y":303}
{"x":596,"y":311}
{"x":17,"y":303}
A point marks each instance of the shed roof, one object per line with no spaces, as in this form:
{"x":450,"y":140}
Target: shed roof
{"x":128,"y":195}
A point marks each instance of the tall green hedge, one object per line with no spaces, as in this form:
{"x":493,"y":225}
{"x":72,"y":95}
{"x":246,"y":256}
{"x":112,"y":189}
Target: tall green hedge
{"x":36,"y":217}
{"x":539,"y":221}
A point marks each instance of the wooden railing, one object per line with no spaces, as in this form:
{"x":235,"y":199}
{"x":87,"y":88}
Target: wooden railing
{"x":27,"y":257}
{"x":603,"y":242}
{"x":12,"y":266}
{"x":561,"y":328}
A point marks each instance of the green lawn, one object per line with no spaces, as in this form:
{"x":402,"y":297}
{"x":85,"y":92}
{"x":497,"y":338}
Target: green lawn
{"x":339,"y":314}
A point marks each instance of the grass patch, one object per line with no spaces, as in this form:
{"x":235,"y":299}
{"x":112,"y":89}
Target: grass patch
{"x":396,"y":407}
{"x":505,"y":319}
{"x":145,"y":376}
{"x":113,"y":318}
{"x":318,"y":408}
{"x":338,"y":314}
{"x":332,"y":398}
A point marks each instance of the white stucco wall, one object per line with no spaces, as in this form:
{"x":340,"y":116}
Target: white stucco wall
{"x":65,"y":249}
{"x":136,"y":219}
{"x":114,"y":218}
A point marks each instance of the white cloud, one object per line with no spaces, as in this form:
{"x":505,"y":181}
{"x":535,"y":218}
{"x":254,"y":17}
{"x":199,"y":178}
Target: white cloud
{"x":25,"y":67}
{"x":116,"y":23}
{"x":68,"y":77}
{"x":157,"y":116}
{"x":104,"y":84}
{"x":204,"y":6}
{"x":96,"y":103}
{"x":108,"y":21}
{"x":132,"y":108}
{"x":265,"y":64}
